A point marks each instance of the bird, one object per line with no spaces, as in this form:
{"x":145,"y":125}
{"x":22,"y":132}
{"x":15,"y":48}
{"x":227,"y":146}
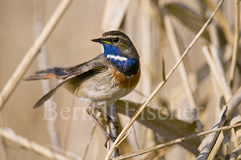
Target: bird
{"x":103,"y":80}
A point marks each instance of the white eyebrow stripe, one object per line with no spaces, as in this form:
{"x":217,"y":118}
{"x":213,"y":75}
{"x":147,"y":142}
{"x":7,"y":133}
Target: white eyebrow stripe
{"x":116,"y":57}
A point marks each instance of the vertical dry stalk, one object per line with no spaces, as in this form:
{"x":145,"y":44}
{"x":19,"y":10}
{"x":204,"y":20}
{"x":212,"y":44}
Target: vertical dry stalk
{"x":114,"y":8}
{"x":235,"y":44}
{"x":142,"y":107}
{"x":43,"y":64}
{"x":32,"y":52}
{"x":222,"y":21}
{"x":183,"y":73}
{"x":112,"y":128}
{"x":216,"y":72}
{"x":216,"y":56}
{"x":146,"y":46}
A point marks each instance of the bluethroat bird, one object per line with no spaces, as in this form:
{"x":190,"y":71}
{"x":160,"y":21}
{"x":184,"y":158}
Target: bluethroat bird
{"x":102,"y":80}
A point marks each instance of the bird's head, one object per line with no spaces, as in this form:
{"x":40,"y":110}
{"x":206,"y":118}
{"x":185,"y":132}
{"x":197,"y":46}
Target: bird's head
{"x":117,"y":43}
{"x":120,"y":51}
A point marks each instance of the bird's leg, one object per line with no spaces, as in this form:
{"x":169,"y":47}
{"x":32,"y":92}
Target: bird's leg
{"x":109,"y":119}
{"x":89,"y":111}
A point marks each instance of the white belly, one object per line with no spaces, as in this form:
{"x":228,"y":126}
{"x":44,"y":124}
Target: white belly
{"x":101,"y":89}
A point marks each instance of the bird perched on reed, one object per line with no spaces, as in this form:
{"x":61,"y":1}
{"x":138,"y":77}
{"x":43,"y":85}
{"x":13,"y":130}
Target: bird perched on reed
{"x":102,"y":80}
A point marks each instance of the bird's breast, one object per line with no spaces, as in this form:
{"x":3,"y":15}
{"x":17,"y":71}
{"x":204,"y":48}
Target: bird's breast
{"x":127,"y":82}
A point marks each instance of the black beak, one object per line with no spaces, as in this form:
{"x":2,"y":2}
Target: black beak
{"x":102,"y":40}
{"x":97,"y":40}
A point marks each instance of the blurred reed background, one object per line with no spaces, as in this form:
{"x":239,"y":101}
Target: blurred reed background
{"x":161,"y":30}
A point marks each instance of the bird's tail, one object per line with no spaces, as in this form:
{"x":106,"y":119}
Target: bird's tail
{"x":58,"y":73}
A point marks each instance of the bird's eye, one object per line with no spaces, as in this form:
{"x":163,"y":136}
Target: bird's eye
{"x":116,"y":40}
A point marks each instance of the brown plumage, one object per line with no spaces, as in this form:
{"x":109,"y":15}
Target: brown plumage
{"x":102,"y":80}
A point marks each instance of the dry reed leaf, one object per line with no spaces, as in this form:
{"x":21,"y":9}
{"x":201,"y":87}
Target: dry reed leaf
{"x":236,"y":119}
{"x":236,"y":153}
{"x":187,"y":17}
{"x":164,"y":124}
{"x":176,"y":141}
{"x":226,"y":113}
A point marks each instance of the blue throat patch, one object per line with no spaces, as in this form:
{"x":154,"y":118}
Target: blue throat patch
{"x":128,"y":66}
